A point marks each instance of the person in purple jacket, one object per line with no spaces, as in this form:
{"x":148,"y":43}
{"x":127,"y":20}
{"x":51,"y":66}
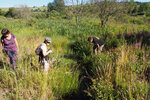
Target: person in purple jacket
{"x":10,"y":46}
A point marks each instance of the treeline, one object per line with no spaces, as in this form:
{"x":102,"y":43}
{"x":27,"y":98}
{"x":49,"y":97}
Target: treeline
{"x":141,"y":9}
{"x":68,"y":9}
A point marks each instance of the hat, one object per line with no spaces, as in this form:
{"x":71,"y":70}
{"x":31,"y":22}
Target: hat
{"x":48,"y":39}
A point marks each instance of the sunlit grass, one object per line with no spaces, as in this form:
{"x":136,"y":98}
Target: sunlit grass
{"x":117,"y":73}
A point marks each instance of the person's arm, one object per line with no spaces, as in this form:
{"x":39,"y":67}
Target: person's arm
{"x":98,"y":45}
{"x":16,"y":44}
{"x":46,"y":53}
{"x":2,"y":45}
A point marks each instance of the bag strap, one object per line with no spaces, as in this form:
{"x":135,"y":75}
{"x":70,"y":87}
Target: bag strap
{"x":13,"y":36}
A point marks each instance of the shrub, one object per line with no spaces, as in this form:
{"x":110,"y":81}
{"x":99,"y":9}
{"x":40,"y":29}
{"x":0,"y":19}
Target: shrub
{"x":81,"y":48}
{"x":137,"y":21}
{"x":39,"y":15}
{"x":113,"y":42}
{"x":2,"y":13}
{"x":53,"y":14}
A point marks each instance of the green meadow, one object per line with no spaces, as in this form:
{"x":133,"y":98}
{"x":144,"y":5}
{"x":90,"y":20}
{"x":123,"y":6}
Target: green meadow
{"x":120,"y":72}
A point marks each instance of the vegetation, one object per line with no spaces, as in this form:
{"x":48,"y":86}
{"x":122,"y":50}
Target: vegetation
{"x":121,"y":71}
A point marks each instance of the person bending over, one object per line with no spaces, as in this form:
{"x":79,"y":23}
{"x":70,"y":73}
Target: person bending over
{"x":98,"y":44}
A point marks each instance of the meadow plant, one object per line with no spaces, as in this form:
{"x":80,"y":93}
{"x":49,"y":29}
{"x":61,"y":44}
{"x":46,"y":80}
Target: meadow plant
{"x":121,"y":71}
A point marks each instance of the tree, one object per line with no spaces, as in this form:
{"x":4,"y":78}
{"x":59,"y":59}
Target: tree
{"x":50,"y":6}
{"x":2,"y":13}
{"x":22,"y":12}
{"x":57,"y":5}
{"x":11,"y":12}
{"x":132,"y":7}
{"x":144,"y":9}
{"x":109,"y":8}
{"x":76,"y":8}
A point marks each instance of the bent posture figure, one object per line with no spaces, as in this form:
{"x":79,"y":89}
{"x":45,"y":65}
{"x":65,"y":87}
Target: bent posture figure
{"x":10,"y":46}
{"x":43,"y":54}
{"x":98,"y":44}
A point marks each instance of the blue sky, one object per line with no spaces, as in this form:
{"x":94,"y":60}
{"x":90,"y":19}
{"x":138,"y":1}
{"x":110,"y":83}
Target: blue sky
{"x":31,"y":3}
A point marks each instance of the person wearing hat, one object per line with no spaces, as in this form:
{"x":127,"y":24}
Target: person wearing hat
{"x":43,"y":55}
{"x":98,"y":44}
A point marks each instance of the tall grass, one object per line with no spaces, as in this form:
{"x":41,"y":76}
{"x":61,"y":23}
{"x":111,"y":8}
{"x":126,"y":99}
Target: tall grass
{"x":117,"y":73}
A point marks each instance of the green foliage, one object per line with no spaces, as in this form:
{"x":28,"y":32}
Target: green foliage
{"x":53,"y":14}
{"x":31,"y":21}
{"x":57,"y":5}
{"x":39,"y":15}
{"x":120,"y":73}
{"x":81,"y":48}
{"x":114,"y":77}
{"x":29,"y":80}
{"x":144,"y":9}
{"x":50,"y":6}
{"x":22,"y":12}
{"x":2,"y":13}
{"x":11,"y":12}
{"x":112,"y":41}
{"x":137,"y":21}
{"x":102,"y":90}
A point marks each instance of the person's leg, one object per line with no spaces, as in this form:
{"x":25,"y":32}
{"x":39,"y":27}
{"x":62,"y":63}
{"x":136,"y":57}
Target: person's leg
{"x":46,"y":66}
{"x":14,"y":59}
{"x":10,"y":55}
{"x":98,"y":49}
{"x":101,"y":47}
{"x":94,"y":49}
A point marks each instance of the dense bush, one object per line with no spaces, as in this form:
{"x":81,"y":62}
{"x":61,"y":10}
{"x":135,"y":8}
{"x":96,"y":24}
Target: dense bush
{"x":116,"y":78}
{"x":81,"y":48}
{"x":113,"y":41}
{"x":11,"y":13}
{"x":39,"y":15}
{"x":2,"y":13}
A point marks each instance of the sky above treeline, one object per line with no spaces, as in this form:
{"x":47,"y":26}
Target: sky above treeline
{"x":31,"y":3}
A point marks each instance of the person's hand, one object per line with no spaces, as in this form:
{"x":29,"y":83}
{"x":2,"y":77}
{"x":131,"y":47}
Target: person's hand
{"x":49,"y":51}
{"x":98,"y":45}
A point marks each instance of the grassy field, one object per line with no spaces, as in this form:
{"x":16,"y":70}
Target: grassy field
{"x":119,"y":72}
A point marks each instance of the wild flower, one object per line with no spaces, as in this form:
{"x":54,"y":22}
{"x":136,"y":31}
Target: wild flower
{"x":144,"y":59}
{"x":132,"y":79}
{"x":129,"y":87}
{"x":24,"y":71}
{"x":134,"y":60}
{"x":137,"y":44}
{"x":7,"y":60}
{"x":28,"y":51}
{"x":22,"y":48}
{"x":147,"y":55}
{"x":19,"y":57}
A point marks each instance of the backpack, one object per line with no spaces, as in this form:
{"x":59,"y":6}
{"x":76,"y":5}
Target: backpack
{"x":38,"y":50}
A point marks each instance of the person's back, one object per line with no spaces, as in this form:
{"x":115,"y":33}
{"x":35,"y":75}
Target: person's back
{"x":98,"y":44}
{"x":97,"y":40}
